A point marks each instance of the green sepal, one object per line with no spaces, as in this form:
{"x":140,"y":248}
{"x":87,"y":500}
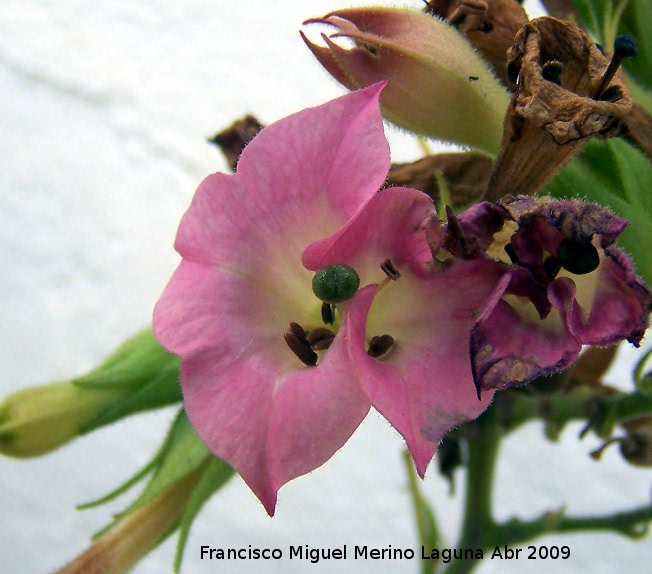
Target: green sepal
{"x":616,"y":175}
{"x":215,"y":476}
{"x":143,"y":375}
{"x":181,"y":453}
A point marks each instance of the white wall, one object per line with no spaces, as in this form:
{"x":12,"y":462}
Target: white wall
{"x":105,"y":107}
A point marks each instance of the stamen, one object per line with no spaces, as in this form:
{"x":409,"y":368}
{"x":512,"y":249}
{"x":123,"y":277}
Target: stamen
{"x":298,"y":330}
{"x":296,"y":340}
{"x":624,"y":47}
{"x":551,"y":72}
{"x":390,"y":270}
{"x":328,"y":313}
{"x":379,"y":345}
{"x":320,"y":338}
{"x":551,"y":267}
{"x":511,"y":253}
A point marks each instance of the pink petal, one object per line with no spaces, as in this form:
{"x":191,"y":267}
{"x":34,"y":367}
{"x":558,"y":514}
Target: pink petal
{"x":513,"y":345}
{"x":273,"y":428}
{"x":299,"y":179}
{"x":390,"y":226}
{"x":424,"y":386}
{"x":611,"y":303}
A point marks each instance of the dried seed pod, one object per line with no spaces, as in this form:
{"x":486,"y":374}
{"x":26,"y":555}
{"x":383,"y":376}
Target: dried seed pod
{"x":490,"y":25}
{"x":466,"y":175}
{"x":233,"y":140}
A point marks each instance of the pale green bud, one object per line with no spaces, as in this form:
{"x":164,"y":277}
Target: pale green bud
{"x":437,"y":84}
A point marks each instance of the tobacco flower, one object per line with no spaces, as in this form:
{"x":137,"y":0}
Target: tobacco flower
{"x":275,"y":380}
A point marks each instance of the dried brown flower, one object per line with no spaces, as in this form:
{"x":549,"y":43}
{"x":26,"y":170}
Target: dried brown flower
{"x":233,"y":139}
{"x":466,"y":175}
{"x":490,"y":25}
{"x":565,"y":91}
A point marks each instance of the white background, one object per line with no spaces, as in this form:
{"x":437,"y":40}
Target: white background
{"x":105,"y":108}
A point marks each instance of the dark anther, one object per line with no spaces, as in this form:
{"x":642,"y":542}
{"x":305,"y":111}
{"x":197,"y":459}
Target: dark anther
{"x":551,"y":266}
{"x":511,"y":253}
{"x":298,"y":330}
{"x":578,"y":257}
{"x":624,"y":47}
{"x":299,"y":345}
{"x":379,"y":345}
{"x":328,"y":313}
{"x":551,"y":72}
{"x":320,"y":338}
{"x":390,"y":270}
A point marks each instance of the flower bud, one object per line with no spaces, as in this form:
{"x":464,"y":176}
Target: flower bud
{"x":39,"y":419}
{"x":184,"y":475}
{"x":139,"y":375}
{"x":438,"y":85}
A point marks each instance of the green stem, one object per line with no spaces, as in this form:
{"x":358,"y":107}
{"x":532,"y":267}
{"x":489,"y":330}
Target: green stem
{"x":479,"y":529}
{"x":424,"y":515}
{"x":557,"y":409}
{"x":633,"y":523}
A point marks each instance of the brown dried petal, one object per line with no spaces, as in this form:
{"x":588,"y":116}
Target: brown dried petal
{"x":466,"y":175}
{"x":639,"y":129}
{"x":562,"y":9}
{"x":490,"y":25}
{"x":550,"y":120}
{"x":233,"y":140}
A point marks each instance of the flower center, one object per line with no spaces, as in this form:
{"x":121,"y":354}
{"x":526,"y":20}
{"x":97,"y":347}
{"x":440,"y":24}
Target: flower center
{"x":331,"y":285}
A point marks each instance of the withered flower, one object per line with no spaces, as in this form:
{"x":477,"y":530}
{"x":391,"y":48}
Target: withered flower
{"x":565,"y":91}
{"x":565,"y":286}
{"x":466,"y":175}
{"x":490,"y":25}
{"x":233,"y":139}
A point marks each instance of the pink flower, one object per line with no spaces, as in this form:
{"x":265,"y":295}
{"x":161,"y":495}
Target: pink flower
{"x":249,"y":244}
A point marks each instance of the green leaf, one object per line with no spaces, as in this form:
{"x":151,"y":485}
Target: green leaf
{"x":637,"y":22}
{"x":590,"y":11}
{"x":616,"y":175}
{"x":604,"y":19}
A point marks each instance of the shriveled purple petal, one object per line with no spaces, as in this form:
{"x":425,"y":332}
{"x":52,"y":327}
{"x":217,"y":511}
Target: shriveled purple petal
{"x":568,"y":286}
